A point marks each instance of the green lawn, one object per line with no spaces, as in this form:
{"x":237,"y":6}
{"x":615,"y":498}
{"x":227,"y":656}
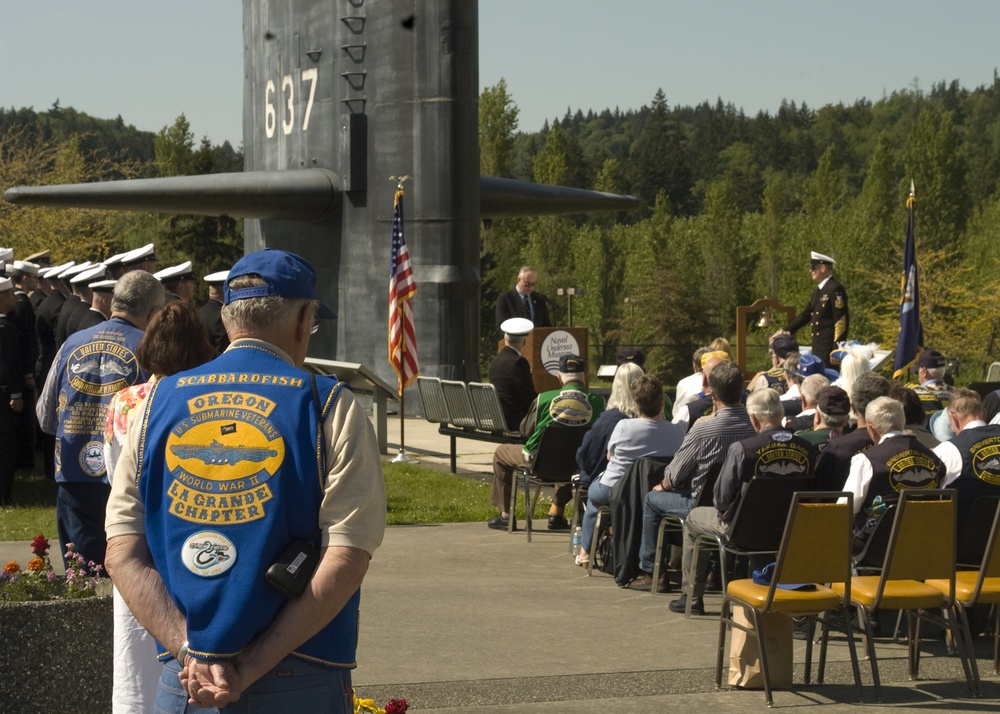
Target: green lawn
{"x":416,"y":495}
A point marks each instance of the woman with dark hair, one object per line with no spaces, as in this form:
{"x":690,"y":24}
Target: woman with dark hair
{"x":174,"y":341}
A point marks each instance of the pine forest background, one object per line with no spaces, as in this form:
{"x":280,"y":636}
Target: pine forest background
{"x":730,"y":206}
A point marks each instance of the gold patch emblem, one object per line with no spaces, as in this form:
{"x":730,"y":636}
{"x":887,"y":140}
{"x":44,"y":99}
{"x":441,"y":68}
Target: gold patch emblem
{"x":839,"y":302}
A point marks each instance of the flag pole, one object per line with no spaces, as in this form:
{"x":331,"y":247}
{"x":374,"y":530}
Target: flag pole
{"x":401,"y":457}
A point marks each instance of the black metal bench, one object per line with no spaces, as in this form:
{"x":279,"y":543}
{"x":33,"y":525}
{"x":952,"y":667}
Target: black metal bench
{"x":465,"y":411}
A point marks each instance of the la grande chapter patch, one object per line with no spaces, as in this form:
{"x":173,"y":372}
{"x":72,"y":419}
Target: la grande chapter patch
{"x":220,"y":458}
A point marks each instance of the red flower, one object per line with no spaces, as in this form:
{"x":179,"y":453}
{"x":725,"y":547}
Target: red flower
{"x":40,"y":546}
{"x":396,"y":706}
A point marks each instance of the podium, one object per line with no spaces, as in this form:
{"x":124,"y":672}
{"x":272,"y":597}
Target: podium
{"x":543,"y":348}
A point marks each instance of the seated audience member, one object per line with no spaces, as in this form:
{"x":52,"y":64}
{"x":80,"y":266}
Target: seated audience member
{"x":174,"y":341}
{"x":809,"y":390}
{"x":971,"y":461}
{"x":896,"y":461}
{"x":571,"y":405}
{"x":991,"y":406}
{"x":688,"y":387}
{"x":704,"y":448}
{"x":913,"y":412}
{"x":791,"y":398}
{"x":510,"y":372}
{"x":701,"y":405}
{"x":774,"y":452}
{"x":830,"y":418}
{"x":933,"y":391}
{"x":835,"y":461}
{"x":592,"y":456}
{"x":780,"y":348}
{"x":648,"y":435}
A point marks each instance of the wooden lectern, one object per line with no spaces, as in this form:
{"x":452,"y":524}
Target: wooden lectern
{"x":543,"y":348}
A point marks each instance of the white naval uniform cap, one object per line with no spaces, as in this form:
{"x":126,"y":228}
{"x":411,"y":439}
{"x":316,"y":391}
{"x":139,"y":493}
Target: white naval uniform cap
{"x":819,"y":257}
{"x":517,"y":326}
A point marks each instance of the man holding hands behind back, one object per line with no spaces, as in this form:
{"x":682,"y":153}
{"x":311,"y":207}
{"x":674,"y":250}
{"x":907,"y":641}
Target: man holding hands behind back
{"x":230,"y":467}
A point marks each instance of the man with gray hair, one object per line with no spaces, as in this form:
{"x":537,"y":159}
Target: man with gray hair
{"x":835,"y":461}
{"x":896,"y":462}
{"x":809,"y":389}
{"x":89,"y":368}
{"x":246,"y":505}
{"x":773,"y":452}
{"x":523,"y":300}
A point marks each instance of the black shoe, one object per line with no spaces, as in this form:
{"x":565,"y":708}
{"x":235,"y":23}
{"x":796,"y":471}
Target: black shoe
{"x":500,"y":522}
{"x":800,"y":628}
{"x":680,"y":605}
{"x":558,"y":523}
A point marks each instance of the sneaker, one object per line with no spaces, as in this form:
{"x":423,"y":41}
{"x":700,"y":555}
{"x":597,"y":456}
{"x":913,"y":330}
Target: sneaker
{"x":680,"y":605}
{"x":500,"y":522}
{"x":558,"y":523}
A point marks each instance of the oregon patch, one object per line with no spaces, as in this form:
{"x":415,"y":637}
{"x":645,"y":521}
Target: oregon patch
{"x":208,"y":553}
{"x":221,"y":457}
{"x":572,"y":408}
{"x":986,"y":460}
{"x":912,"y":469}
{"x":101,"y":368}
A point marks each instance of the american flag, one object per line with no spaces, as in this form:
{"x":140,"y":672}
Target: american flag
{"x":402,"y":339}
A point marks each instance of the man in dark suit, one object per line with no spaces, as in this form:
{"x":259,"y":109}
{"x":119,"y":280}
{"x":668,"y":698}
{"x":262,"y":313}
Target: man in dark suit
{"x":524,"y":301}
{"x":827,"y":309}
{"x":511,"y":374}
{"x":211,"y":311}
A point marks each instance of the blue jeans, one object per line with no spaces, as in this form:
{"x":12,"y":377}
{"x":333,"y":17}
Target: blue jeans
{"x":295,"y":685}
{"x":597,"y":495}
{"x":656,"y":505}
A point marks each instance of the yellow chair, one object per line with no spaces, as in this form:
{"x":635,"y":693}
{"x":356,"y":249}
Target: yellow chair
{"x":815,"y":548}
{"x":921,"y":547}
{"x":979,"y":586}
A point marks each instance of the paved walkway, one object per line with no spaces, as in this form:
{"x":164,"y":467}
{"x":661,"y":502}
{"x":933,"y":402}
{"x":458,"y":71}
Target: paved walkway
{"x":458,"y":617}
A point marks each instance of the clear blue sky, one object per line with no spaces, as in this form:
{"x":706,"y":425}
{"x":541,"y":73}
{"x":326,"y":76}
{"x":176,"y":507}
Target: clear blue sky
{"x":151,"y":61}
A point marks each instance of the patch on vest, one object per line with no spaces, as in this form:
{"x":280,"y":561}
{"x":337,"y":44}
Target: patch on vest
{"x":208,"y":553}
{"x":986,"y":460}
{"x":92,"y":459}
{"x":781,"y":459}
{"x":912,"y":469}
{"x":101,"y":368}
{"x":571,"y":408}
{"x":221,"y":457}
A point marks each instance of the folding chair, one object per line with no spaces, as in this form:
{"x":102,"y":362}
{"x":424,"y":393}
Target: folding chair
{"x":756,"y":525}
{"x":672,"y":524}
{"x":432,"y":399}
{"x":921,"y":547}
{"x":554,"y":465}
{"x":979,"y":586}
{"x":815,"y":548}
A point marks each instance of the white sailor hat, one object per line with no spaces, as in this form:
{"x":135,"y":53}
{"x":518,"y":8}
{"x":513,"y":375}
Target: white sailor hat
{"x":93,"y":273}
{"x":103,"y":286}
{"x":26,"y":267}
{"x":175,"y":273}
{"x":6,"y":284}
{"x":53,"y":272}
{"x":517,"y":326}
{"x":139,"y":255}
{"x":115,"y":259}
{"x":69,"y":272}
{"x":42,"y":257}
{"x":815,"y":257}
{"x":7,"y":255}
{"x":216,"y":278}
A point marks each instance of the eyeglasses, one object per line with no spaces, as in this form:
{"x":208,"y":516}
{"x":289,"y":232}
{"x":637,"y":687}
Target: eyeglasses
{"x":315,"y":326}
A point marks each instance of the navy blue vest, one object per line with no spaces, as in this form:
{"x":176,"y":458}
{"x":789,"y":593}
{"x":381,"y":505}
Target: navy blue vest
{"x":898,"y":463}
{"x":94,"y":364}
{"x":980,"y":450}
{"x":231,"y":472}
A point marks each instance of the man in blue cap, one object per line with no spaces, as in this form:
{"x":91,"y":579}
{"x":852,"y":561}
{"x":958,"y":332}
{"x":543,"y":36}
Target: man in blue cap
{"x":247,"y":502}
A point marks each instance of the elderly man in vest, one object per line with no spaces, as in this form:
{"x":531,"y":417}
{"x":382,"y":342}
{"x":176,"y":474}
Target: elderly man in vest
{"x":971,"y":457}
{"x":247,"y":502}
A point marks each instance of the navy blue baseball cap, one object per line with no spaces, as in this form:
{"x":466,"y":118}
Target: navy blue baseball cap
{"x":287,"y":275}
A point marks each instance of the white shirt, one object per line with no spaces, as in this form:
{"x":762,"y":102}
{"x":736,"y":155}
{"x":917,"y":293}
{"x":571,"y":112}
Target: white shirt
{"x":952,"y":457}
{"x":687,"y":389}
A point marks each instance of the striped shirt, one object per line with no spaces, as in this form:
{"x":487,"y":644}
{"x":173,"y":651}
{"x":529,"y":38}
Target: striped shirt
{"x":705,"y":446}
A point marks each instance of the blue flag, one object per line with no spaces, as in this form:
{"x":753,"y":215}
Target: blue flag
{"x":910,"y":343}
